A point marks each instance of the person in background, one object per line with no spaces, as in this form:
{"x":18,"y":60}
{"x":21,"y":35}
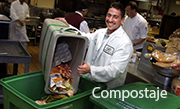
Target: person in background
{"x":173,"y":14}
{"x":76,"y":19}
{"x":18,"y":13}
{"x":109,"y":51}
{"x":135,"y":26}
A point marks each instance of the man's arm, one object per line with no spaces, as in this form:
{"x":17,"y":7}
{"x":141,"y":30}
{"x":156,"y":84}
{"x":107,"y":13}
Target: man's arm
{"x":63,"y":20}
{"x":143,"y":33}
{"x":138,"y":41}
{"x":13,"y":14}
{"x":84,"y":27}
{"x":27,"y":12}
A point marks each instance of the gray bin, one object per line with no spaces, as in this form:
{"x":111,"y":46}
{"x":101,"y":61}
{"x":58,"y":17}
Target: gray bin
{"x":50,"y":38}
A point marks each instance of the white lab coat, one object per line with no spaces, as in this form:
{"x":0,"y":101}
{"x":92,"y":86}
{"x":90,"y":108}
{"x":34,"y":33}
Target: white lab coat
{"x":136,"y":28}
{"x":110,"y":64}
{"x":20,"y":12}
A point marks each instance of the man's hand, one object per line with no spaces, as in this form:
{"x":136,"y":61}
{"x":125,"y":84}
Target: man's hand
{"x":20,"y":22}
{"x":83,"y":69}
{"x":63,"y":20}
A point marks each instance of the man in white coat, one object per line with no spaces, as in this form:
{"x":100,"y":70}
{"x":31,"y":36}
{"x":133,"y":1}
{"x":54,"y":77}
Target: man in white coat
{"x":18,"y":13}
{"x":135,"y":26}
{"x":109,"y":52}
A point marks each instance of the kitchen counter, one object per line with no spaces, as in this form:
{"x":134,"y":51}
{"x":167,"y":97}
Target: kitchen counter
{"x":14,"y":52}
{"x":4,"y":18}
{"x":136,"y":75}
{"x":153,"y":31}
{"x":154,"y":22}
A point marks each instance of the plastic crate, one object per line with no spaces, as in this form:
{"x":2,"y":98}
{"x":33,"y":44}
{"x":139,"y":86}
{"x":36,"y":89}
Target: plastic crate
{"x":21,"y":92}
{"x":53,"y":33}
{"x":171,"y":102}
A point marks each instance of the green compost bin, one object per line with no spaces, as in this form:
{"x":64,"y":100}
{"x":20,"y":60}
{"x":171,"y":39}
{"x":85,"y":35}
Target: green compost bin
{"x":21,"y":92}
{"x":114,"y":101}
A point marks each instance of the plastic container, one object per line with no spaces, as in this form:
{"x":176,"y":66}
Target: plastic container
{"x":171,"y":102}
{"x":53,"y":34}
{"x":175,"y":86}
{"x":21,"y":91}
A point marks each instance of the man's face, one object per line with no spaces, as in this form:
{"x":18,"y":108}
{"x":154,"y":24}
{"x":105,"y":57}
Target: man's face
{"x":129,"y":12}
{"x":85,"y":12}
{"x":113,"y":19}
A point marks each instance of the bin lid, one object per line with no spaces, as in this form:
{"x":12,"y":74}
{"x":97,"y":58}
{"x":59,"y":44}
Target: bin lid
{"x":148,"y":101}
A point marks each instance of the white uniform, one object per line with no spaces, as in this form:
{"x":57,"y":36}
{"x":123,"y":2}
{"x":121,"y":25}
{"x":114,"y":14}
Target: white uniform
{"x":136,"y":28}
{"x":20,"y":12}
{"x":109,"y":61}
{"x":83,"y":25}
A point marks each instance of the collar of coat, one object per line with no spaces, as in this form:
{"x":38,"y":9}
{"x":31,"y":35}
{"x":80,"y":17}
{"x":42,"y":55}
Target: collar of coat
{"x":117,"y":33}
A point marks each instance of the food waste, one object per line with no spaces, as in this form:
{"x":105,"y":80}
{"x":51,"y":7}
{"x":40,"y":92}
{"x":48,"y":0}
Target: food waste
{"x":51,"y":98}
{"x":173,"y":45}
{"x":60,"y":82}
{"x":166,"y":60}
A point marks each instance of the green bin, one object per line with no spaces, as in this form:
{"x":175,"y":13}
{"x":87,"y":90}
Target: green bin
{"x":114,"y":101}
{"x":21,"y":92}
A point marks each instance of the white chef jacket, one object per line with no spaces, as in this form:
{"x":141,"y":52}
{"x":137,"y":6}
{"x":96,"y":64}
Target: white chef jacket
{"x":136,"y":28}
{"x":109,"y":61}
{"x":20,"y":12}
{"x":83,"y":25}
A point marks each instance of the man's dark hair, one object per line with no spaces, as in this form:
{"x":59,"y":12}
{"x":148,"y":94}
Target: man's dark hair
{"x":82,"y":5}
{"x":133,"y":5}
{"x":118,"y":6}
{"x":173,"y":14}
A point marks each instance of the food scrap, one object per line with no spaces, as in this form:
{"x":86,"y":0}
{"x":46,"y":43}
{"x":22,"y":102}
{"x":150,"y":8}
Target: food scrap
{"x":61,"y":79}
{"x":166,"y":60}
{"x":163,"y":57}
{"x":51,"y":98}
